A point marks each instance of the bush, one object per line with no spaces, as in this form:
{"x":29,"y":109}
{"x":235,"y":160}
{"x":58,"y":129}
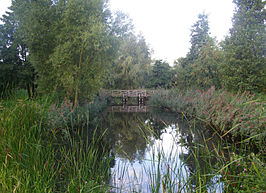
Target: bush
{"x":63,"y":115}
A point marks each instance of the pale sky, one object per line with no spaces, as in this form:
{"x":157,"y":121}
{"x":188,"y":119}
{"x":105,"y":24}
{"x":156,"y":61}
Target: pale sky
{"x":166,"y":24}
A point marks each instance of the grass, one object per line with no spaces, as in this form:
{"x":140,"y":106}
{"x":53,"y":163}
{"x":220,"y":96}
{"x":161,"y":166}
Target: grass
{"x":238,"y":117}
{"x":37,"y":158}
{"x":210,"y":164}
{"x":49,"y":148}
{"x":239,"y":121}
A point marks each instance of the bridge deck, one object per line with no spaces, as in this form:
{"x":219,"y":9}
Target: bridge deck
{"x":127,"y":93}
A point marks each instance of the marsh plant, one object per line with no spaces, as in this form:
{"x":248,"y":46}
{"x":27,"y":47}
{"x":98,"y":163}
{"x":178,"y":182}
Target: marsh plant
{"x":238,"y":119}
{"x":206,"y":165}
{"x":37,"y":158}
{"x":68,"y":155}
{"x":237,"y":116}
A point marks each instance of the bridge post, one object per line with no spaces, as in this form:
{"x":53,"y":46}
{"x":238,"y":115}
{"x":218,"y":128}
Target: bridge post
{"x":124,"y":99}
{"x":140,"y":100}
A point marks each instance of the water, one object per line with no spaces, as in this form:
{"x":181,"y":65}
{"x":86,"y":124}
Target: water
{"x":153,"y":152}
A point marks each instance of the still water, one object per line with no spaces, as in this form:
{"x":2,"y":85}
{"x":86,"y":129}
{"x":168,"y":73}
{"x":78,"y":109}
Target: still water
{"x":153,"y":152}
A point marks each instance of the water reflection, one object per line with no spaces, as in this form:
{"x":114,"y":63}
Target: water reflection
{"x":152,"y":149}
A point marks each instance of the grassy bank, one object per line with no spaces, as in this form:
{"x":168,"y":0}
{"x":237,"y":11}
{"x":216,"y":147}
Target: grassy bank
{"x":39,"y":154}
{"x":238,"y":117}
{"x":238,"y":120}
{"x":48,"y":147}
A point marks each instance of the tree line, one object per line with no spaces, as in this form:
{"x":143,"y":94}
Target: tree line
{"x":75,"y":47}
{"x":236,"y":63}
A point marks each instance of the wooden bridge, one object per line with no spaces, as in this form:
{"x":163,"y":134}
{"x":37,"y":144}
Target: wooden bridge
{"x":127,"y":93}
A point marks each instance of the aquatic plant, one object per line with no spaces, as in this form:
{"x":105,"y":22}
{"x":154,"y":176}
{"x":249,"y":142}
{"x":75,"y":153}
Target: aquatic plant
{"x":240,"y":116}
{"x":236,"y":118}
{"x":38,"y":158}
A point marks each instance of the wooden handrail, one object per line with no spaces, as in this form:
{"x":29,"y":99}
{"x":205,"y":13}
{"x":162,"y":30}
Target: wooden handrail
{"x":128,"y":93}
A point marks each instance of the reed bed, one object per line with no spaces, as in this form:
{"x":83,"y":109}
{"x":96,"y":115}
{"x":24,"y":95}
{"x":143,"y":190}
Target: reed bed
{"x":205,"y":165}
{"x":49,"y":148}
{"x":238,"y":119}
{"x":37,"y":158}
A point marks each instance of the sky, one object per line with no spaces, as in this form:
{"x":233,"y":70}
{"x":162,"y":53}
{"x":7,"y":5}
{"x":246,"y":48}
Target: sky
{"x":166,"y":24}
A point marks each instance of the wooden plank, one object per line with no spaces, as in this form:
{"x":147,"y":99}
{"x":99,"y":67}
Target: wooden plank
{"x":127,"y":93}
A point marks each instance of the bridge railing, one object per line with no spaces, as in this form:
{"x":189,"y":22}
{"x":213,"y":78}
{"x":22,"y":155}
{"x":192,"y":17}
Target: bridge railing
{"x":127,"y":93}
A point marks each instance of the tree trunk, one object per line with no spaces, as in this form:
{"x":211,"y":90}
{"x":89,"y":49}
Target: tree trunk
{"x":29,"y":90}
{"x":76,"y":98}
{"x":78,"y":80}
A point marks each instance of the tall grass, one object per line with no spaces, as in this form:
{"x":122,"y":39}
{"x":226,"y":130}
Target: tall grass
{"x":46,"y":148}
{"x":238,"y":117}
{"x":208,"y":164}
{"x":176,"y":167}
{"x":37,"y":158}
{"x":239,"y":121}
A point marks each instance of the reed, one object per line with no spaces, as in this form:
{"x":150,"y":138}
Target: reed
{"x":37,"y":158}
{"x":238,"y":117}
{"x":211,"y":164}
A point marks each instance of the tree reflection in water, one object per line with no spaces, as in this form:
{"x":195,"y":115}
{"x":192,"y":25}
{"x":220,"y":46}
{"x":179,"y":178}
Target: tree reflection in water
{"x":138,"y":138}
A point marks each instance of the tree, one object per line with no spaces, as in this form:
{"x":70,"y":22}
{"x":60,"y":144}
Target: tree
{"x":82,"y":49}
{"x":38,"y":30}
{"x":15,"y":69}
{"x":161,"y":75}
{"x":200,"y":36}
{"x":206,"y":66}
{"x":70,"y":44}
{"x":132,"y":64}
{"x":244,"y":65}
{"x":199,"y":67}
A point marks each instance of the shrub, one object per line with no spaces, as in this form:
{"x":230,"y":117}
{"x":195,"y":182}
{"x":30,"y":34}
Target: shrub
{"x":63,"y":115}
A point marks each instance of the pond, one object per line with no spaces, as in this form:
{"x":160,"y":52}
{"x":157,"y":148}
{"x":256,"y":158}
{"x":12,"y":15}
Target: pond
{"x":157,"y":152}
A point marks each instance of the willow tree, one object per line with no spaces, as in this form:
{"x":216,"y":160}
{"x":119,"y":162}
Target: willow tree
{"x":83,"y":47}
{"x":70,"y":44}
{"x":131,"y":67}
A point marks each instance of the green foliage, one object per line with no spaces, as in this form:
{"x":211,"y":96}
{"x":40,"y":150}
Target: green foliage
{"x":206,"y":67}
{"x":161,"y":75}
{"x":247,"y":173}
{"x":63,"y":115}
{"x":36,"y":26}
{"x":244,"y":64}
{"x":82,"y":48}
{"x":15,"y":69}
{"x":70,"y":44}
{"x":38,"y":158}
{"x":240,"y":64}
{"x":199,"y":37}
{"x":240,"y":116}
{"x":166,"y":100}
{"x":200,"y":67}
{"x":132,"y":64}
